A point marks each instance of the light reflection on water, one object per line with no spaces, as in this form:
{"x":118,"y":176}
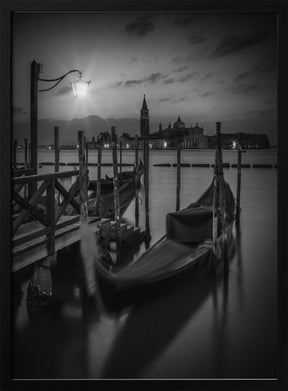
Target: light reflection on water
{"x":204,"y":329}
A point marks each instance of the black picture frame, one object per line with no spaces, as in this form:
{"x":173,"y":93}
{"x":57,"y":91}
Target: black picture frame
{"x":10,"y":6}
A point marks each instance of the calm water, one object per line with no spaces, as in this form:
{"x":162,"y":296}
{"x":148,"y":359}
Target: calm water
{"x":204,"y":329}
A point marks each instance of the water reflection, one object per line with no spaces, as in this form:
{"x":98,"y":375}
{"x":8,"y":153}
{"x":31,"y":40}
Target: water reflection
{"x":153,"y":324}
{"x":239,"y":265}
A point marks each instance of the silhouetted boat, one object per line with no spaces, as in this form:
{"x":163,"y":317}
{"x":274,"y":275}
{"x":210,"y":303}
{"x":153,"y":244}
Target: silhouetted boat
{"x":187,"y":245}
{"x":129,"y":184}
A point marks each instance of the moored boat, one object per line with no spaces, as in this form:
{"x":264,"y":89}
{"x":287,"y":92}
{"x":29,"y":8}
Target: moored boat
{"x":129,"y":184}
{"x":187,"y":246}
{"x":197,"y":238}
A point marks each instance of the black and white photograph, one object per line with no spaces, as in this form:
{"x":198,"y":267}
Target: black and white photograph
{"x":144,"y":195}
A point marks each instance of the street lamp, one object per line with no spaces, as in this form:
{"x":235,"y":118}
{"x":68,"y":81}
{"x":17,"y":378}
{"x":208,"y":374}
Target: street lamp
{"x":79,"y":88}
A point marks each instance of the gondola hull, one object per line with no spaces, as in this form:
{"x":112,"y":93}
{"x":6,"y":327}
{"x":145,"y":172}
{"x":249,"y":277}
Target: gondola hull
{"x":186,"y":248}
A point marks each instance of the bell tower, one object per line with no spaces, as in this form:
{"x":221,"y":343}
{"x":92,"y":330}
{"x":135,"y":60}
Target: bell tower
{"x":144,"y":119}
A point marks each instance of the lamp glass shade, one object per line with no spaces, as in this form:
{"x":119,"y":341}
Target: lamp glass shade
{"x":80,"y":88}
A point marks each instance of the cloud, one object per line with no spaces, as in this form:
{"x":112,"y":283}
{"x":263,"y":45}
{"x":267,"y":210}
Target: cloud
{"x":244,"y":88}
{"x":169,"y":81}
{"x":204,"y":94}
{"x":132,"y":83}
{"x":116,"y":84}
{"x":179,"y":100}
{"x":64,"y":90}
{"x":189,"y":76}
{"x":184,"y":20}
{"x":133,"y":59}
{"x":231,"y":43}
{"x":196,"y":38}
{"x":180,"y":69}
{"x":164,"y":100}
{"x":153,"y":78}
{"x":178,"y":59}
{"x":240,"y":76}
{"x":208,"y":76}
{"x":140,"y":26}
{"x":264,"y":113}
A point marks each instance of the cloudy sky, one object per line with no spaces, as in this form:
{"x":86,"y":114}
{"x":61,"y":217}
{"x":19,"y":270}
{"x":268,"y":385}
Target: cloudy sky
{"x":205,"y":67}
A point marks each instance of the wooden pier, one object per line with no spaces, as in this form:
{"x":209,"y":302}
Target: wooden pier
{"x":40,"y":227}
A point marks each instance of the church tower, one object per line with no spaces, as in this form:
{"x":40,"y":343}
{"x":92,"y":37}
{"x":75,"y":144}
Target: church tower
{"x":144,"y":119}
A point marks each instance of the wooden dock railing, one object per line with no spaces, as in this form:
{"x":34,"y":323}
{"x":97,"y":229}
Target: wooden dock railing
{"x":42,"y":208}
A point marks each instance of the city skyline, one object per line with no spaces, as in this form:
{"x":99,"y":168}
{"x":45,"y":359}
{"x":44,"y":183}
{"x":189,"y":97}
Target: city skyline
{"x":203,"y":67}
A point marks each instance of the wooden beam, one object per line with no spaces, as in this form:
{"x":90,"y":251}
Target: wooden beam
{"x":50,"y":210}
{"x":83,"y":177}
{"x":26,"y":152}
{"x":116,"y":191}
{"x":29,"y":206}
{"x":56,"y":148}
{"x":68,"y":197}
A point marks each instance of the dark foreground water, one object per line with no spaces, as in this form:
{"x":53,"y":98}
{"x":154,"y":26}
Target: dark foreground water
{"x":204,"y":328}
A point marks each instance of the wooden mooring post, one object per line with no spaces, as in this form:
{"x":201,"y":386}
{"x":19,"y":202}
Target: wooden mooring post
{"x":221,"y":191}
{"x":120,"y":159}
{"x":86,"y":150}
{"x":26,"y":152}
{"x":215,"y":200}
{"x":116,"y":191}
{"x":146,"y":184}
{"x":237,"y":217}
{"x":98,"y":194}
{"x":136,"y":191}
{"x":178,"y":176}
{"x":88,"y":241}
{"x":56,"y":148}
{"x":83,"y":178}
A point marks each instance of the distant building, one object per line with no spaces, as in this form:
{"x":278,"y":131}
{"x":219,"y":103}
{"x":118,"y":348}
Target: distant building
{"x":246,"y":140}
{"x":189,"y":137}
{"x":144,"y":119}
{"x":192,"y":137}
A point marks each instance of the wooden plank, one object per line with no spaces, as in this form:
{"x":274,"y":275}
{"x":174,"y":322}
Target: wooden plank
{"x":27,"y":237}
{"x":44,"y":177}
{"x":21,"y":172}
{"x":29,"y":206}
{"x":36,"y":249}
{"x":69,"y":197}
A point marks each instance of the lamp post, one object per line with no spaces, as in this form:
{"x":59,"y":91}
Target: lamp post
{"x":79,"y":87}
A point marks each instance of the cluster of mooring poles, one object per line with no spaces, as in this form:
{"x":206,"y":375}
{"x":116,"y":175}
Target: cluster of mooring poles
{"x":83,"y":177}
{"x":219,"y":207}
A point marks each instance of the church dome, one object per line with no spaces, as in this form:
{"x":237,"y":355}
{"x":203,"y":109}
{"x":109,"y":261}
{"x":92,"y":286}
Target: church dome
{"x":179,"y":124}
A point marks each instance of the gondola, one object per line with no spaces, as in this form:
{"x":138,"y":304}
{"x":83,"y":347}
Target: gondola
{"x":129,"y":184}
{"x":187,"y":246}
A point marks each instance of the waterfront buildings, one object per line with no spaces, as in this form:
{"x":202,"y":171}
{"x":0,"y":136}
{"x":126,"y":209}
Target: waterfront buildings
{"x":188,"y":137}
